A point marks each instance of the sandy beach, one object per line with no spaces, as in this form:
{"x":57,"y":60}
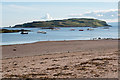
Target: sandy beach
{"x":61,"y":59}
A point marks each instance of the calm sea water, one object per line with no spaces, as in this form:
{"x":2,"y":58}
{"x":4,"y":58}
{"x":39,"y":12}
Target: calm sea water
{"x":62,"y":34}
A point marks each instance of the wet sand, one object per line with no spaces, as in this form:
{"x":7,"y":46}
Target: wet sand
{"x":62,"y":59}
{"x":51,"y":47}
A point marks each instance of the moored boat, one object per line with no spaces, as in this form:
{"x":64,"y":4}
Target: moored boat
{"x":55,"y":29}
{"x":106,"y":28}
{"x":89,"y":29}
{"x":23,"y":32}
{"x":44,"y":32}
{"x":72,"y":29}
{"x":81,"y":30}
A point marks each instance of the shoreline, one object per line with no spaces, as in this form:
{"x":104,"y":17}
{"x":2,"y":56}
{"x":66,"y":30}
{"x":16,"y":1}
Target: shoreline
{"x":47,"y":41}
{"x":60,"y":41}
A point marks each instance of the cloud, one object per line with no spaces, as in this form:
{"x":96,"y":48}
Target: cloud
{"x":105,"y":11}
{"x":107,"y":15}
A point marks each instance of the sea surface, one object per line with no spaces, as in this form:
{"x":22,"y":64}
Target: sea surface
{"x":58,"y":35}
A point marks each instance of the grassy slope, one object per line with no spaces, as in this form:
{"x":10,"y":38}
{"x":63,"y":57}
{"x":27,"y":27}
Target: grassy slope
{"x":75,"y":22}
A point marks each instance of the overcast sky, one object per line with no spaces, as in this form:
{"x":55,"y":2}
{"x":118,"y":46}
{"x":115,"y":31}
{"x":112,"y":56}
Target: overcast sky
{"x":21,"y":12}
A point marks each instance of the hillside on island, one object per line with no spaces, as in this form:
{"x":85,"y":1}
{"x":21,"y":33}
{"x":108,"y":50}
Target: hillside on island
{"x":73,"y":22}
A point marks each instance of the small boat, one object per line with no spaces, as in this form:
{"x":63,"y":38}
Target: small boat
{"x":81,"y":30}
{"x":44,"y":32}
{"x":90,"y":29}
{"x":23,"y":32}
{"x":72,"y":29}
{"x":106,"y":28}
{"x":55,"y":29}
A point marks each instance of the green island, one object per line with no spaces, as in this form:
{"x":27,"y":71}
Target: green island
{"x":73,"y":22}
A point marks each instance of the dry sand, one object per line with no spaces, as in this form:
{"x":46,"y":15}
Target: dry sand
{"x":62,"y":59}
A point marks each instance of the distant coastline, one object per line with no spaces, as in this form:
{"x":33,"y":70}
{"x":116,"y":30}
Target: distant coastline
{"x":72,"y":22}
